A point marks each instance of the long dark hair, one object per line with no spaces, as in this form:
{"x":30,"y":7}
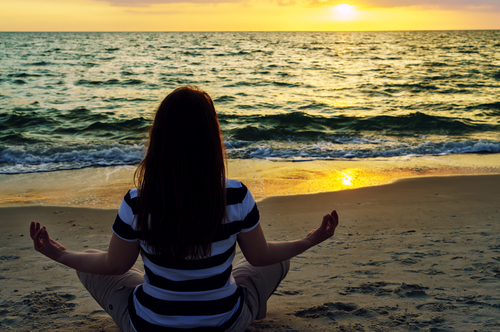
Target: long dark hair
{"x":181,"y":180}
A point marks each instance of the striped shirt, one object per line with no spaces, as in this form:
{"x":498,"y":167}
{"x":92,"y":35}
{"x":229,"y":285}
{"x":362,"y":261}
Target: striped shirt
{"x":193,"y":295}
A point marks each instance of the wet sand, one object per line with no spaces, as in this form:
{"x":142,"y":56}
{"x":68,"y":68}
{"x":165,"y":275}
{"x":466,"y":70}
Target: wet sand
{"x":104,"y":187}
{"x":418,"y":254}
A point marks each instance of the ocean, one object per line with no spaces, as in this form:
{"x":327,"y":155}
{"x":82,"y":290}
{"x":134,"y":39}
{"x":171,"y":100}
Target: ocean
{"x":79,"y":100}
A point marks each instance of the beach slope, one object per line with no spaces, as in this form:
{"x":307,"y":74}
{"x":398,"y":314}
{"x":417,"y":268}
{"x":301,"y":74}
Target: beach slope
{"x":418,"y":254}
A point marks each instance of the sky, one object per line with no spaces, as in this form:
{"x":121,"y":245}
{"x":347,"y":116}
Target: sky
{"x":248,"y":15}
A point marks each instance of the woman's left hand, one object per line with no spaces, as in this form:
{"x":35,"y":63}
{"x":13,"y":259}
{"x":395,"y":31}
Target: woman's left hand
{"x":326,"y":230}
{"x":44,"y":244}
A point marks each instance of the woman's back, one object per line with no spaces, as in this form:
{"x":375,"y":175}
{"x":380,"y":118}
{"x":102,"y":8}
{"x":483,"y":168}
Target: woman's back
{"x":190,"y":293}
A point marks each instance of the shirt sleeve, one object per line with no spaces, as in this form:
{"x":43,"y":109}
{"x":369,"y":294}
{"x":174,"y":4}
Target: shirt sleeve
{"x":124,"y":222}
{"x":250,"y":212}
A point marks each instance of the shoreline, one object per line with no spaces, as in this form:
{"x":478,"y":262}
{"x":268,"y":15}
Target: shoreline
{"x":104,"y":187}
{"x":419,"y":253}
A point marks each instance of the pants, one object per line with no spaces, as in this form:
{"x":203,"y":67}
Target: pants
{"x":259,"y":283}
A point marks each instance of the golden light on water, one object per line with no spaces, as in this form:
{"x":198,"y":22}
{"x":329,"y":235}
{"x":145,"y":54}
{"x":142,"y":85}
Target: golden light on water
{"x":351,"y":178}
{"x":267,"y":179}
{"x":284,"y":181}
{"x":297,"y":180}
{"x":346,"y":178}
{"x":105,"y":187}
{"x":339,"y":103}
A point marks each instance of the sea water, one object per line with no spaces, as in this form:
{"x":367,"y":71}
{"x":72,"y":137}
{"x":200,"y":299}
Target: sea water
{"x":301,"y":112}
{"x":76,"y":100}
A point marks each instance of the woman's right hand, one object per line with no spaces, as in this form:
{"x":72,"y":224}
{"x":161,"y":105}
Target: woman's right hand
{"x":259,"y":252}
{"x":44,"y":244}
{"x":326,"y":230}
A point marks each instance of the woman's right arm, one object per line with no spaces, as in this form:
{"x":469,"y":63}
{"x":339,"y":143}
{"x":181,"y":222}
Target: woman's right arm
{"x":119,"y":258}
{"x":259,"y":252}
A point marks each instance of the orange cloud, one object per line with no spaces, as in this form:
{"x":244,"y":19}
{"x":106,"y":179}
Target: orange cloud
{"x":438,"y":4}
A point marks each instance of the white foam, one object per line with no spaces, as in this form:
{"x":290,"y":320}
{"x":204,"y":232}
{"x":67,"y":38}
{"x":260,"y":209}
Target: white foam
{"x":27,"y":159}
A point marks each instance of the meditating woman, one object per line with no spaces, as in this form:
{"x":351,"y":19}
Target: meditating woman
{"x":185,"y":219}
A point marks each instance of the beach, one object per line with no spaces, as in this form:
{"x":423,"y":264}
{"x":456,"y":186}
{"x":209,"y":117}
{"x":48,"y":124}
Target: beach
{"x":418,"y":254}
{"x":399,"y":131}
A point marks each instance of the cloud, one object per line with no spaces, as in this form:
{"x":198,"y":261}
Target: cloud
{"x":148,"y":3}
{"x":154,"y":12}
{"x":442,"y":4}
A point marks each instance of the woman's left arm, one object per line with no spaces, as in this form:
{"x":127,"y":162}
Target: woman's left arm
{"x":120,"y":257}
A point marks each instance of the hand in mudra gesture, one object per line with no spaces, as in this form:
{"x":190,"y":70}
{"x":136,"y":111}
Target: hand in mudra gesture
{"x":43,"y":243}
{"x":326,"y":230}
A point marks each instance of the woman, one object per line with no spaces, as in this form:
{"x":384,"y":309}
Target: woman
{"x":185,"y":218}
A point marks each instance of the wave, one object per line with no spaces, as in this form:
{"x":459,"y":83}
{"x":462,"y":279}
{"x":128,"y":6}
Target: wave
{"x":243,"y":52}
{"x":415,"y":87}
{"x":39,"y":63}
{"x":18,"y":81}
{"x":496,"y":75}
{"x":299,"y":126}
{"x":349,"y":148}
{"x":112,"y":81}
{"x":18,"y":75}
{"x":25,"y":126}
{"x":267,"y":83}
{"x":295,"y":126}
{"x":224,"y":99}
{"x":435,"y":64}
{"x":489,"y":106}
{"x":20,"y":121}
{"x":33,"y":158}
{"x":42,"y":158}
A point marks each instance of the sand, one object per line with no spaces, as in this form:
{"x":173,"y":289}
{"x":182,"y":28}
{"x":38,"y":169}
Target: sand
{"x":104,"y":187}
{"x":420,"y":254}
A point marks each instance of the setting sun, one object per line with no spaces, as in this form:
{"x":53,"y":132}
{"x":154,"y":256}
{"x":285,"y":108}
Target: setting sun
{"x":344,"y":11}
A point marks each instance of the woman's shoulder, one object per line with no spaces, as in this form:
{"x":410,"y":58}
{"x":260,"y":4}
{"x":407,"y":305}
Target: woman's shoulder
{"x":235,"y":186}
{"x":231,"y":183}
{"x":238,"y":193}
{"x":133,"y":193}
{"x":130,"y":199}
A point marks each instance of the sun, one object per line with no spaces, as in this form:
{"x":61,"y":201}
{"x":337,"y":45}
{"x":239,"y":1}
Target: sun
{"x":344,"y":11}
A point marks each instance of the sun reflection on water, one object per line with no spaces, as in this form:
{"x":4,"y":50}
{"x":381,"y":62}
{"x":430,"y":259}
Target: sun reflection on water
{"x":347,"y":179}
{"x":104,"y":187}
{"x":297,"y":180}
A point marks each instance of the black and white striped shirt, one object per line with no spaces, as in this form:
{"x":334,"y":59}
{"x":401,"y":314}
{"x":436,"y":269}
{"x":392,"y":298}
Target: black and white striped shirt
{"x":192,"y":295}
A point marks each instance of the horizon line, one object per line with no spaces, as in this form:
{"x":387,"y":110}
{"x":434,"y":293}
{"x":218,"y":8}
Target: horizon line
{"x":138,"y":31}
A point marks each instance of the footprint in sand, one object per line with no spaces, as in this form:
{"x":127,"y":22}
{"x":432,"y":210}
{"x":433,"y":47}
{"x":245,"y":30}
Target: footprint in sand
{"x":375,"y":288}
{"x":329,"y":309}
{"x":411,"y":290}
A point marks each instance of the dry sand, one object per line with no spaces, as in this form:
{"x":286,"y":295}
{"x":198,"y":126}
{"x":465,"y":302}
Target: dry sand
{"x":420,"y":254}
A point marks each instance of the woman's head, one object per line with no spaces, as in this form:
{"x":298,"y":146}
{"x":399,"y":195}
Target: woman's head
{"x":186,"y":131}
{"x":181,"y":180}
